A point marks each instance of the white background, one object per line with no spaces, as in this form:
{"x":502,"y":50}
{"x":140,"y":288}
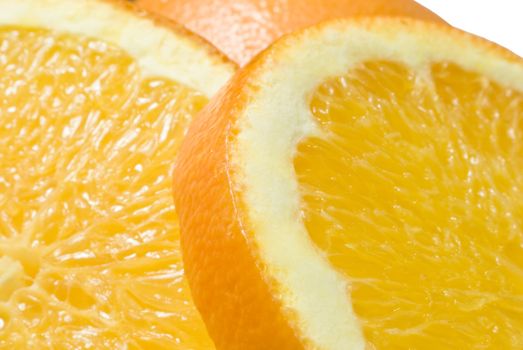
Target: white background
{"x":500,"y":21}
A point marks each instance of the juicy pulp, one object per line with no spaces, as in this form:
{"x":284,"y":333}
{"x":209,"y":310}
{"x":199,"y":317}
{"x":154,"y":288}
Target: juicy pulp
{"x":89,"y":241}
{"x":414,"y":192}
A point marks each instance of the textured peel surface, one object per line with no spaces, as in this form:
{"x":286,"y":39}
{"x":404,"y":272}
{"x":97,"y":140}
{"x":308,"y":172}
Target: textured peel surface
{"x":414,"y":193}
{"x":89,"y":242}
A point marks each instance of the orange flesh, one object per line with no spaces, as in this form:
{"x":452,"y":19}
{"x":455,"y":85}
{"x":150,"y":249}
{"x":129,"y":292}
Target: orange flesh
{"x":415,"y":194}
{"x":89,"y":242}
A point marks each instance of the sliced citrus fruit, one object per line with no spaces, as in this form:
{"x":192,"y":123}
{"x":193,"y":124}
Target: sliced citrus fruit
{"x":365,"y":193}
{"x":94,"y":100}
{"x":243,"y":28}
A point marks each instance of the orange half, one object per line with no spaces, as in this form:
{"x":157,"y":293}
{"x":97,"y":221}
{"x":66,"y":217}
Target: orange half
{"x":95,"y":98}
{"x":365,"y":193}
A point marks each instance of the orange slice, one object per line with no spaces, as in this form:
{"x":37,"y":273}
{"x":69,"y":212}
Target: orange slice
{"x":243,"y":28}
{"x":94,"y":100}
{"x":365,"y":193}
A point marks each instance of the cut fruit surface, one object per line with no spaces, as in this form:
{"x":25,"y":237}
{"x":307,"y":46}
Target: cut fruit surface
{"x":422,"y":214}
{"x":91,"y":119}
{"x":243,"y":28}
{"x":374,"y":202}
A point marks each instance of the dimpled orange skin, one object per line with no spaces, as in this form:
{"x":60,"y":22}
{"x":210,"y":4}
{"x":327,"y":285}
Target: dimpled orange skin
{"x":243,"y":28}
{"x":217,"y":252}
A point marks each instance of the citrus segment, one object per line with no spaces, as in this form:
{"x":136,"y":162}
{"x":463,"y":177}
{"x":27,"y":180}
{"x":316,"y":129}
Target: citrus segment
{"x":414,"y":193}
{"x":89,"y":240}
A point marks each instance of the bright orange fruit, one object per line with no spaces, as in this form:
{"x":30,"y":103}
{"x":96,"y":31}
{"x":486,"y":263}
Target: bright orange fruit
{"x":243,"y":28}
{"x":94,"y":101}
{"x":358,"y":186}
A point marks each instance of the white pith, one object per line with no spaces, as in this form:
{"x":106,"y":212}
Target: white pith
{"x":278,"y":117}
{"x":158,"y":50}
